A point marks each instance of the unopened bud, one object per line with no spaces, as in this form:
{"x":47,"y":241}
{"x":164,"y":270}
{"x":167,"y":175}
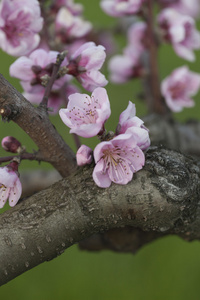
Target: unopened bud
{"x":11,"y":144}
{"x":84,"y":155}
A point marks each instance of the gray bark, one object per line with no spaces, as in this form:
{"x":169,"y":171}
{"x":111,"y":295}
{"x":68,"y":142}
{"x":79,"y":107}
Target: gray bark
{"x":163,"y":198}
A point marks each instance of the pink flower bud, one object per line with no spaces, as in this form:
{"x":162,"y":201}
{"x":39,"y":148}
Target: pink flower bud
{"x":84,"y":155}
{"x":11,"y":144}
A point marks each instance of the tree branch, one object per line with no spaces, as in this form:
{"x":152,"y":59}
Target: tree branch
{"x":13,"y":106}
{"x":167,"y":132}
{"x":163,"y":198}
{"x":150,"y":59}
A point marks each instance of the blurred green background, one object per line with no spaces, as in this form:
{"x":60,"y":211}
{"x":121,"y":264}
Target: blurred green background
{"x":168,"y":268}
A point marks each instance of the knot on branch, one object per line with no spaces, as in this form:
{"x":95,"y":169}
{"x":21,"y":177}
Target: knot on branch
{"x":177,"y":178}
{"x":8,"y":113}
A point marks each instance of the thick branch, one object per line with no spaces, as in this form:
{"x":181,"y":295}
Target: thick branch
{"x":163,"y":198}
{"x":37,"y":125}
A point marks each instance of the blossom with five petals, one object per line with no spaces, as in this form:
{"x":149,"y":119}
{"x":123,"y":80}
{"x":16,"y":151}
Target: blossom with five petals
{"x":178,"y":88}
{"x":20,"y":22}
{"x":116,"y":160}
{"x":86,"y":115}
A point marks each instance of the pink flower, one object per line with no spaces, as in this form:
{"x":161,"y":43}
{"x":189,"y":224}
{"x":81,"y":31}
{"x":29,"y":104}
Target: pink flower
{"x":180,"y":30}
{"x":31,"y":69}
{"x":69,"y":26}
{"x":84,"y":155}
{"x":86,"y":115}
{"x":179,"y":87}
{"x":117,"y":160}
{"x":10,"y":186}
{"x":185,"y":7}
{"x":119,"y":8}
{"x":130,"y":124}
{"x":20,"y":21}
{"x":85,"y":64}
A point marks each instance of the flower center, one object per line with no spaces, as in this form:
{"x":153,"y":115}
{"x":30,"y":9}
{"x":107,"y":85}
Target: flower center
{"x":112,"y":157}
{"x":2,"y":186}
{"x":87,"y":114}
{"x":17,"y":28}
{"x":177,"y":90}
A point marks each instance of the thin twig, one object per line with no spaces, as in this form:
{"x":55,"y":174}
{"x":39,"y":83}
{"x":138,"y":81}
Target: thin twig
{"x":56,"y":67}
{"x":157,"y":105}
{"x":29,"y":156}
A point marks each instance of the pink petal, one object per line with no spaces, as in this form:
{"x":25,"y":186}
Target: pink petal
{"x":184,"y":52}
{"x":15,"y":193}
{"x":87,"y":130}
{"x":128,"y":113}
{"x":84,"y":155}
{"x":99,"y":176}
{"x":120,"y":173}
{"x":92,"y":79}
{"x":21,"y":69}
{"x":4,"y":193}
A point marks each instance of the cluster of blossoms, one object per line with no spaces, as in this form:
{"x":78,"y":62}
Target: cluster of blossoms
{"x":37,"y":36}
{"x":176,"y":25}
{"x":84,"y":65}
{"x":119,"y":155}
{"x":21,"y":32}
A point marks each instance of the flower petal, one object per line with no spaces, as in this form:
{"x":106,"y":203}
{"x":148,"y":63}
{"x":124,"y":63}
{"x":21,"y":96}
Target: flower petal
{"x":15,"y":193}
{"x":100,"y":177}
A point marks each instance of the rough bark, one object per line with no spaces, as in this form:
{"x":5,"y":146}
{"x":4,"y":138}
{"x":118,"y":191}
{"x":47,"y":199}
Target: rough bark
{"x":163,"y":198}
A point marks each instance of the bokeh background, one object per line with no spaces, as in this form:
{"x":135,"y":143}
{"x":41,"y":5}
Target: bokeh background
{"x":168,"y":268}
